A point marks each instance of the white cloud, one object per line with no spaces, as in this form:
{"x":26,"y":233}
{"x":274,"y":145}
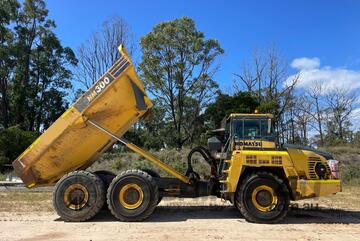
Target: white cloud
{"x":332,"y":78}
{"x":305,"y":63}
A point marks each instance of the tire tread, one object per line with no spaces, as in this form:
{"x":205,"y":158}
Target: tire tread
{"x":98,"y":205}
{"x":247,"y":215}
{"x":152,"y":206}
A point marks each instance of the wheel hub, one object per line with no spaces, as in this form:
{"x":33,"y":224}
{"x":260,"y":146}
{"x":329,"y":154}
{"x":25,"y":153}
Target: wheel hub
{"x":131,"y":196}
{"x":264,"y":198}
{"x":76,"y":196}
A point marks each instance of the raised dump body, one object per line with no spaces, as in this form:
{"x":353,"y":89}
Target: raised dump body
{"x":116,"y":101}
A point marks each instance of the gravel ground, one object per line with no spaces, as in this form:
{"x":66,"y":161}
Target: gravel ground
{"x":29,"y":216}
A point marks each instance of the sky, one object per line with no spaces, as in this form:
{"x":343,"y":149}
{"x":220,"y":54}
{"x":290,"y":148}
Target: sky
{"x":321,"y":39}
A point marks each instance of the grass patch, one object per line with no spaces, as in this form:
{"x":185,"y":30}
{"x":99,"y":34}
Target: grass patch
{"x":2,"y":177}
{"x":25,"y":201}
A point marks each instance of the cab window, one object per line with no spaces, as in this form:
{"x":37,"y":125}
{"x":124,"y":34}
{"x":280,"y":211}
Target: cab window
{"x":267,"y":130}
{"x":238,"y":129}
{"x":252,"y":129}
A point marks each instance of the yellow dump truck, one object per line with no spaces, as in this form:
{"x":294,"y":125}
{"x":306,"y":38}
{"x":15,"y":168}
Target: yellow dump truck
{"x":248,"y":167}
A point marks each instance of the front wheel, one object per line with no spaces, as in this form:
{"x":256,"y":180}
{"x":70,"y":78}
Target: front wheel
{"x":263,"y":198}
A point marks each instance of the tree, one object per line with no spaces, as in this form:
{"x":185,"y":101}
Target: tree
{"x":242,"y":102}
{"x":252,"y":75}
{"x":41,"y":74}
{"x":178,"y":65}
{"x":50,"y":78}
{"x":34,"y":74}
{"x":315,"y":92}
{"x":303,"y":117}
{"x":99,"y":53}
{"x":340,"y":105}
{"x":269,"y":72}
{"x":8,"y":13}
{"x":30,"y":23}
{"x":150,"y":132}
{"x":13,"y":141}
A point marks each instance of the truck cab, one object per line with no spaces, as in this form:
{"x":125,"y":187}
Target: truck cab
{"x":258,"y":175}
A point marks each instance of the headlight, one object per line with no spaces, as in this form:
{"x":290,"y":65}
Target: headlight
{"x":320,"y":170}
{"x":334,"y":167}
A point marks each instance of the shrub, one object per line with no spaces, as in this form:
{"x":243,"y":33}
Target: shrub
{"x":349,"y":157}
{"x":13,"y":141}
{"x":118,"y":161}
{"x":350,"y":174}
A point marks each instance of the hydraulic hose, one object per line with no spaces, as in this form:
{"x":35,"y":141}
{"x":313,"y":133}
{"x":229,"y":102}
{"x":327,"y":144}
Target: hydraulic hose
{"x":207,"y":157}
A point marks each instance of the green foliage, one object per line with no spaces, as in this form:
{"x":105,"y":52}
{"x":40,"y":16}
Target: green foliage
{"x":34,"y":75}
{"x":13,"y":141}
{"x":268,"y":107}
{"x":119,"y":161}
{"x":356,"y":139}
{"x":2,"y":177}
{"x":349,"y":157}
{"x":150,"y":132}
{"x":242,"y":102}
{"x":350,"y":174}
{"x":34,"y":69}
{"x":177,"y":67}
{"x":8,"y":13}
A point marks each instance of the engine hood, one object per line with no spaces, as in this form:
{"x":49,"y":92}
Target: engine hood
{"x":325,"y":154}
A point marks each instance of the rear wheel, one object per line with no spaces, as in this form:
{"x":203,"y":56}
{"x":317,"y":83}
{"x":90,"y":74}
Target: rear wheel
{"x":78,"y":196}
{"x":156,"y":175}
{"x":106,"y":177}
{"x":263,"y":198}
{"x":132,"y":196}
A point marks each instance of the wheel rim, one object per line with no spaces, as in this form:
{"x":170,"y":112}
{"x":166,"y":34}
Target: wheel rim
{"x":131,"y":196}
{"x":264,"y":198}
{"x":76,"y":196}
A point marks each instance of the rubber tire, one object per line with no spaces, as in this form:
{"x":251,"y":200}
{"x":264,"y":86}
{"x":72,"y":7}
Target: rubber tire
{"x":106,"y":177}
{"x":151,"y":196}
{"x":153,"y":174}
{"x":96,"y":190}
{"x":244,"y":204}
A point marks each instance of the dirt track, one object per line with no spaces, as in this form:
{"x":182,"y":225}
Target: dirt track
{"x":191,"y":222}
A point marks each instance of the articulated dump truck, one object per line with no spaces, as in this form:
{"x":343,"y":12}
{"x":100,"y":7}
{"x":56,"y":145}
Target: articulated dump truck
{"x":248,"y":168}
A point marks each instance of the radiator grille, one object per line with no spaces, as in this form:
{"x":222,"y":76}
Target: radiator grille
{"x":276,"y":160}
{"x":250,"y":159}
{"x":311,"y":167}
{"x":312,"y":161}
{"x":263,"y":161}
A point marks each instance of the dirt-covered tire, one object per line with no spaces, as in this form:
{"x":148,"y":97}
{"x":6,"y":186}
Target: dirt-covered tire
{"x":132,"y":196}
{"x":78,"y":196}
{"x":153,"y":174}
{"x":262,"y":197}
{"x":106,"y":177}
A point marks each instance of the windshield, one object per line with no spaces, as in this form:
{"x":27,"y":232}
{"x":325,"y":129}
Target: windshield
{"x":252,"y":129}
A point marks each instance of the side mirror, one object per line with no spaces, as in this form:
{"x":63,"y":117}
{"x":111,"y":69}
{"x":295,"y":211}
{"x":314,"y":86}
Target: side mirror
{"x":269,"y":126}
